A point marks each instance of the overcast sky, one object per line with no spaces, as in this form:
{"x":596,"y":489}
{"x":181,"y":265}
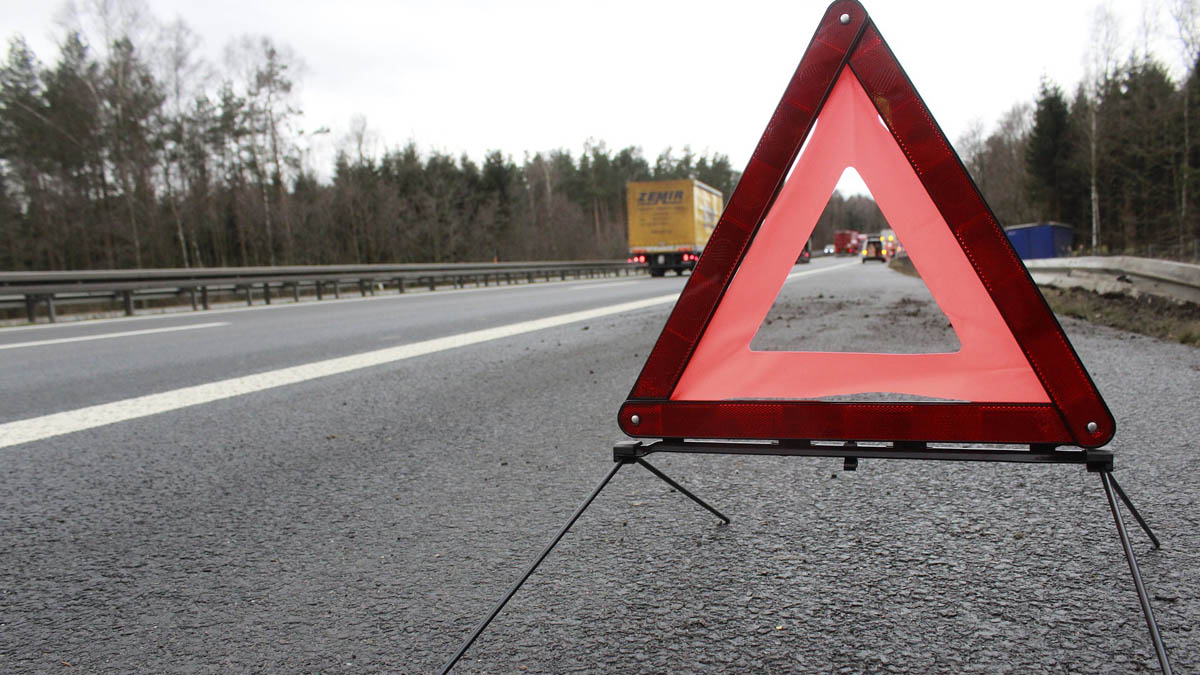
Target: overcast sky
{"x":527,"y":76}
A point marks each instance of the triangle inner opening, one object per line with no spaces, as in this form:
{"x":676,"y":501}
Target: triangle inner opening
{"x":871,"y":304}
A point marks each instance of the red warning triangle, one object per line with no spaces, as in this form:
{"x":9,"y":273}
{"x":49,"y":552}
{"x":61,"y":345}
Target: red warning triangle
{"x":1016,"y":378}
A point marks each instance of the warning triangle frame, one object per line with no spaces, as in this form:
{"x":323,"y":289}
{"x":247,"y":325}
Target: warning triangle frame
{"x":1075,"y":414}
{"x":847,"y":39}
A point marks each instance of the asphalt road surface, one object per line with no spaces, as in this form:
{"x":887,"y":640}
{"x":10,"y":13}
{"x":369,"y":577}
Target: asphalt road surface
{"x":349,"y":486}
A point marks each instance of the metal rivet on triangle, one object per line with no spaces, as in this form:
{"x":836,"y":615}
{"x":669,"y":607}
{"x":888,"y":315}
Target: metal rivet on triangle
{"x":1092,"y":427}
{"x":635,"y":420}
{"x":845,"y":19}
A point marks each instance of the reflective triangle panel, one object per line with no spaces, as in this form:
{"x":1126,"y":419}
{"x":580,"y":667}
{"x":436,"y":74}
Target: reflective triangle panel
{"x":1016,"y":378}
{"x":989,"y":367}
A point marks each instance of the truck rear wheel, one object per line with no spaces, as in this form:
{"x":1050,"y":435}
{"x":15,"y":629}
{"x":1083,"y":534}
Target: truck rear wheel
{"x":657,"y":271}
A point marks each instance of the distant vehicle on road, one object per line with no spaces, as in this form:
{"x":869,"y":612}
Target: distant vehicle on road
{"x":860,"y":241}
{"x":844,"y":242}
{"x":829,"y":249}
{"x":890,"y":242}
{"x":874,"y":249}
{"x":670,"y":221}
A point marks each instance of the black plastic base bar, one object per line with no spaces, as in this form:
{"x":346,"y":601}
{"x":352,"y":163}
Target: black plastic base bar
{"x":1160,"y":649}
{"x":554,"y":542}
{"x":851,"y":449}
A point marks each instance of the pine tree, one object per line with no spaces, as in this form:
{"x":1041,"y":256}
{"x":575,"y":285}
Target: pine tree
{"x":1048,"y":153}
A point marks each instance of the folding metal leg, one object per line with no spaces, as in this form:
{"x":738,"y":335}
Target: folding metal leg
{"x":682,"y":490}
{"x":1129,"y":505}
{"x":529,"y":570}
{"x":1159,"y":649}
{"x":620,"y":462}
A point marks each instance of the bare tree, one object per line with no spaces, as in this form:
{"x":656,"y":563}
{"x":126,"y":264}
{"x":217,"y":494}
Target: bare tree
{"x":1186,"y":14}
{"x":266,"y":72}
{"x":105,"y":22}
{"x":360,"y":141}
{"x":181,"y":73}
{"x":1100,"y":64}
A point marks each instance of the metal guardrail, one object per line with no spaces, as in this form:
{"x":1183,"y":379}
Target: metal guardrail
{"x":1120,"y":274}
{"x":199,"y":285}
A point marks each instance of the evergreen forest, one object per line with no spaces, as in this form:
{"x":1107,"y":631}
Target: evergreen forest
{"x":131,"y":151}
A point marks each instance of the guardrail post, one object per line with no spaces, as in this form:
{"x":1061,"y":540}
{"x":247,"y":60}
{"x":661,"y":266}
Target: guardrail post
{"x":249,"y":295}
{"x":362,"y":288}
{"x":204,"y":296}
{"x":192,"y":297}
{"x":31,"y":308}
{"x":267,"y":293}
{"x":399,"y":284}
{"x":127,"y":297}
{"x":320,"y":290}
{"x":337,"y":290}
{"x":50,"y":308}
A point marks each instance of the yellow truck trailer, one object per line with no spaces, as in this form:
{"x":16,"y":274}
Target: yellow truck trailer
{"x":670,"y":221}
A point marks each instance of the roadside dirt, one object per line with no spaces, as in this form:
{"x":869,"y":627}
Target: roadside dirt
{"x":1146,"y":315}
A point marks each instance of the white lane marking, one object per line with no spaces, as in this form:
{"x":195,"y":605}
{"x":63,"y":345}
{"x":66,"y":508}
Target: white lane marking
{"x":105,"y":336}
{"x":793,"y":275}
{"x":600,"y":284}
{"x":47,"y":426}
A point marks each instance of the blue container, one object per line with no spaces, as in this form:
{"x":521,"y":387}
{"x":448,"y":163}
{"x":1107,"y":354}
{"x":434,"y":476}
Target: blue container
{"x":1041,"y":240}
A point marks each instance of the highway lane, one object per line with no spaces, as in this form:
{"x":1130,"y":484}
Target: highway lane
{"x":366,"y":520}
{"x":40,"y":379}
{"x":97,"y":362}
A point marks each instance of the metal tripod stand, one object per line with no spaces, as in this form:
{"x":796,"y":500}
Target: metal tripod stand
{"x":635,"y":452}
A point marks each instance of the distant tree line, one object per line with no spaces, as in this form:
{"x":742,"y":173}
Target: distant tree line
{"x":405,"y":207}
{"x":131,"y":151}
{"x":1117,"y":159}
